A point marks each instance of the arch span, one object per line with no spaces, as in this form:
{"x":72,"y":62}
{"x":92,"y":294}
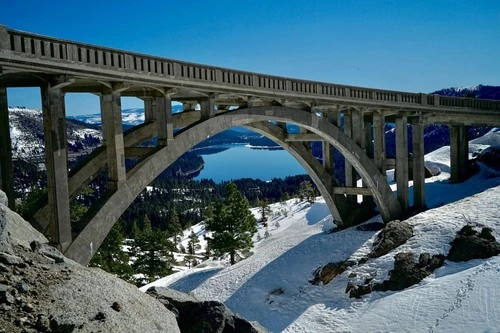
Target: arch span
{"x":83,"y":246}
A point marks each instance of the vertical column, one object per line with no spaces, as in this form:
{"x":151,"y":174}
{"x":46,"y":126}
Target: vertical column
{"x":402,"y":160}
{"x":56,"y":153}
{"x":208,"y":107}
{"x":418,"y":163}
{"x":112,"y":132}
{"x":459,"y":152}
{"x":163,"y":107}
{"x":379,"y":141}
{"x":149,"y":114}
{"x":6,"y":168}
{"x":464,"y":152}
{"x":350,"y":173}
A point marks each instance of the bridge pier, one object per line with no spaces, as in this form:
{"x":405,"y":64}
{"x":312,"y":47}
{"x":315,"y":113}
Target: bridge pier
{"x":379,"y":154}
{"x":6,"y":167}
{"x":112,"y":134}
{"x":159,"y":110}
{"x":350,"y":173}
{"x":56,"y":151}
{"x":207,"y":107}
{"x":418,"y":163}
{"x":459,"y":153}
{"x":402,"y":160}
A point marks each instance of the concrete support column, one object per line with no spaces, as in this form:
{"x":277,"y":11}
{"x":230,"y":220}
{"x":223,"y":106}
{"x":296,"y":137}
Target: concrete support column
{"x":418,"y":163}
{"x":163,"y":107}
{"x":188,"y":106}
{"x":459,"y":153}
{"x":208,"y":107}
{"x":350,"y":173}
{"x":149,"y":114}
{"x":6,"y":168}
{"x":379,"y":141}
{"x":112,"y":133}
{"x":56,"y":153}
{"x":402,"y":161}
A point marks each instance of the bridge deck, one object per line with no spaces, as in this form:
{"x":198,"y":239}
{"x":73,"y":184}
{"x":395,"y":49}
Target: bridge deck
{"x":86,"y":67}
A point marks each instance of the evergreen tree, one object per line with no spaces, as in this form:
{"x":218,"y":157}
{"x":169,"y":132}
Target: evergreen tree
{"x":265,"y":210}
{"x":193,"y":246}
{"x":153,"y":253}
{"x":174,"y":226}
{"x":110,"y":256}
{"x":231,"y":223}
{"x":307,"y":192}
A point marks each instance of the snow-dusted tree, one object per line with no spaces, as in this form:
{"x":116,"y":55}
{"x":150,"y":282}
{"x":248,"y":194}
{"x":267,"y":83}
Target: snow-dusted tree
{"x":307,"y":192}
{"x":265,"y":210}
{"x":231,"y":223}
{"x":267,"y":234}
{"x":193,"y":246}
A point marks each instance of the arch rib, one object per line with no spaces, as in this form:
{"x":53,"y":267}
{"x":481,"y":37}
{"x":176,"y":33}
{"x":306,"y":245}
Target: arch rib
{"x":91,"y":237}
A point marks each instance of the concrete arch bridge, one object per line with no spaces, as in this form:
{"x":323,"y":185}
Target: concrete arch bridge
{"x":264,"y":103}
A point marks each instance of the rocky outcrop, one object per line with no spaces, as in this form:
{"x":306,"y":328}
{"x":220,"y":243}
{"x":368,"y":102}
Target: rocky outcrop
{"x":211,"y":316}
{"x":406,"y":273}
{"x":469,"y":244}
{"x":325,"y":274}
{"x":42,"y":291}
{"x":394,"y":234}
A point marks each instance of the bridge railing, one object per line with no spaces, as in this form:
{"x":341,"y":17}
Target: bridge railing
{"x":101,"y":57}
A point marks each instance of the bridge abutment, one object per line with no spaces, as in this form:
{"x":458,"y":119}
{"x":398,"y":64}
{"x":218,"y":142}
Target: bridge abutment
{"x":56,"y":151}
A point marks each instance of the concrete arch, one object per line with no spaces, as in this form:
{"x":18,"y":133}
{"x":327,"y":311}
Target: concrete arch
{"x":84,"y":245}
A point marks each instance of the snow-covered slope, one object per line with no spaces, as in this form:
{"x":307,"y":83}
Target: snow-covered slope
{"x":26,"y":132}
{"x":272,"y":286}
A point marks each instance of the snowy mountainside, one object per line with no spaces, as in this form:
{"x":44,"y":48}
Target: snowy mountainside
{"x":26,"y":132}
{"x":130,"y":117}
{"x":272,"y":287}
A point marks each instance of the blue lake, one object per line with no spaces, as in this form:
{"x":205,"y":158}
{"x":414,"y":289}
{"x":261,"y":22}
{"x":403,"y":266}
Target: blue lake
{"x":240,"y":161}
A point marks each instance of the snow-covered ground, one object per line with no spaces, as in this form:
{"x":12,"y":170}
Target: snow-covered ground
{"x":272,"y":287}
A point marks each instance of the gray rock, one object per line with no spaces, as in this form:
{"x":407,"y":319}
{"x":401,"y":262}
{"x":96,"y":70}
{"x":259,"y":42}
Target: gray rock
{"x":4,"y":201}
{"x":394,"y":234}
{"x":47,"y":251}
{"x":468,"y":245}
{"x":211,"y":316}
{"x":12,"y":260}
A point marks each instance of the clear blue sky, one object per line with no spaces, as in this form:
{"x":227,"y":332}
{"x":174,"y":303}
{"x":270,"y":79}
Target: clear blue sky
{"x":417,"y":46}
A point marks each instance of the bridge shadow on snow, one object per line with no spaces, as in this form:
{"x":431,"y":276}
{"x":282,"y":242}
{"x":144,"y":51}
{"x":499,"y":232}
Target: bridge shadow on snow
{"x":194,"y":280}
{"x":290,"y":272}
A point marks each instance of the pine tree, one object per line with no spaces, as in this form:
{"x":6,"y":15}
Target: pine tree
{"x":193,"y":246}
{"x":307,"y":192}
{"x":265,"y":210}
{"x":110,"y":256}
{"x":153,"y":253}
{"x":231,"y":223}
{"x":174,"y":226}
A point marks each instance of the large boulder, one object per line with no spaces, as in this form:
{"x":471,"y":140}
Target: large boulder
{"x":211,"y":316}
{"x":469,"y":244}
{"x":42,"y":291}
{"x":394,"y":234}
